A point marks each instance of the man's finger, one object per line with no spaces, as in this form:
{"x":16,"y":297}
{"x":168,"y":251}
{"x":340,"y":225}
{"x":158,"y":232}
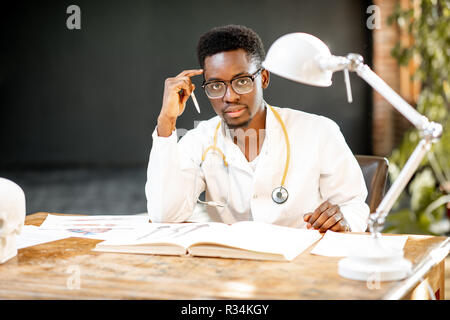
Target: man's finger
{"x":306,"y":217}
{"x":324,"y":216}
{"x":324,"y":206}
{"x":187,"y":94}
{"x":179,"y":84}
{"x":340,"y":226}
{"x":331,"y":221}
{"x":190,"y":73}
{"x":184,"y":86}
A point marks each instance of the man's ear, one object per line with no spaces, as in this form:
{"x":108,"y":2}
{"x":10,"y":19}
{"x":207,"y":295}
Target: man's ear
{"x":265,"y":77}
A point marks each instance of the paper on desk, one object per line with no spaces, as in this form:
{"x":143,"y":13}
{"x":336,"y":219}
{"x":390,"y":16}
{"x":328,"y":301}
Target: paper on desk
{"x":100,"y":227}
{"x":336,"y":244}
{"x":32,"y":235}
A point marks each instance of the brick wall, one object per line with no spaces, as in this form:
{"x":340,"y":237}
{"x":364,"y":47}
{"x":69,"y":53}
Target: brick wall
{"x":388,"y":124}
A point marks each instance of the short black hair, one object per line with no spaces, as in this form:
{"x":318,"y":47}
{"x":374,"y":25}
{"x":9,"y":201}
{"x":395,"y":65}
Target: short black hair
{"x":227,"y":38}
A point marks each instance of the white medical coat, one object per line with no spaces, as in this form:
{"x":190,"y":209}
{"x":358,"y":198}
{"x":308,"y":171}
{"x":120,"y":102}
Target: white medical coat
{"x":322,"y":167}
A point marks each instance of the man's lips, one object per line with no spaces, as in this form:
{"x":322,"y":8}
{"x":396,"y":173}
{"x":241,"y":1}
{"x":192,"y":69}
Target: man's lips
{"x":234,"y":112}
{"x":234,"y":109}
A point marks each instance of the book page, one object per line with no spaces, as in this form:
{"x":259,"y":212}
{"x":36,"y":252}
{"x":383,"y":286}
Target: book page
{"x":336,"y":244}
{"x":245,"y":235}
{"x":264,"y":238}
{"x":180,"y":234}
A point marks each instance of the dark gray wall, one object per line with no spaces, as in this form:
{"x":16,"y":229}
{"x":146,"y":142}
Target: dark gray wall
{"x":92,"y":96}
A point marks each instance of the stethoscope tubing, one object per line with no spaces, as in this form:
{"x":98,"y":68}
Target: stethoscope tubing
{"x":280,"y":194}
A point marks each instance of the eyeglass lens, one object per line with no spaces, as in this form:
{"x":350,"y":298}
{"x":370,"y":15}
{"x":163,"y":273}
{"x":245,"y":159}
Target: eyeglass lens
{"x":241,"y":85}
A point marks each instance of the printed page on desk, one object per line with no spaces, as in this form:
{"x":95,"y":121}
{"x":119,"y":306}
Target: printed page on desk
{"x":100,"y":227}
{"x":246,"y":240}
{"x":32,"y":236}
{"x":336,"y":244}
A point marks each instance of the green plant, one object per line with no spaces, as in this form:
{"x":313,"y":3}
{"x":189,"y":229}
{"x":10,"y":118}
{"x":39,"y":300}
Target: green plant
{"x":422,"y":206}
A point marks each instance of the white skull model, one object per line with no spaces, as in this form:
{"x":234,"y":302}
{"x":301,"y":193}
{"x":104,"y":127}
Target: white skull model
{"x":12,"y":217}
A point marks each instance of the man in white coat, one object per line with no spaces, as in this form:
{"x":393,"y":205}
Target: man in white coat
{"x":251,"y":151}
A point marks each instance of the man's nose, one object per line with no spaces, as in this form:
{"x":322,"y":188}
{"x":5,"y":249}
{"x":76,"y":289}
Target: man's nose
{"x":230,"y":95}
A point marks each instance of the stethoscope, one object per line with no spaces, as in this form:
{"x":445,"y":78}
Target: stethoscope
{"x":280,"y":193}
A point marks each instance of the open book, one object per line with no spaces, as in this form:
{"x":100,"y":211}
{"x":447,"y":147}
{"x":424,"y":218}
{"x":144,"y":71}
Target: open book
{"x":243,"y":240}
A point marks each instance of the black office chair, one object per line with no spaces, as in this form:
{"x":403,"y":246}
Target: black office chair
{"x":375,"y":172}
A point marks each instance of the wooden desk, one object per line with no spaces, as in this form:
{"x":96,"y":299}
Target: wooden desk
{"x":68,"y":269}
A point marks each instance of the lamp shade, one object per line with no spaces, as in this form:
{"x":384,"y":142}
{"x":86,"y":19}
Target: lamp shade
{"x":295,"y":56}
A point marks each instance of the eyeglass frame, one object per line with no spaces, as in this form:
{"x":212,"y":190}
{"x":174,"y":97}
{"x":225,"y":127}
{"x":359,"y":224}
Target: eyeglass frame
{"x":251,"y":76}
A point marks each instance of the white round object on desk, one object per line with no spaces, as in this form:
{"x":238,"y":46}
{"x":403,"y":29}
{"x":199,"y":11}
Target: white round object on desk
{"x":378,"y":262}
{"x":12,"y":217}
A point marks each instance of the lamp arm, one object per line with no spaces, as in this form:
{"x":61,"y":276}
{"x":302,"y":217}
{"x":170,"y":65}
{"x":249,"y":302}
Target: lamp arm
{"x":354,"y":62}
{"x":430,"y":132}
{"x":377,"y":219}
{"x":413,"y":116}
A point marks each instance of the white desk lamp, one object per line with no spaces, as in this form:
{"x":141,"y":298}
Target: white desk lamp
{"x":301,"y":57}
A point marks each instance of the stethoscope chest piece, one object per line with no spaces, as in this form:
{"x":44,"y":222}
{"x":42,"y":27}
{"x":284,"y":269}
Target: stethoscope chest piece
{"x":280,"y":195}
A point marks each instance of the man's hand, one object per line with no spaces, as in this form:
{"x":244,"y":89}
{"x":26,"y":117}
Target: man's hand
{"x":326,"y":217}
{"x":177,"y":91}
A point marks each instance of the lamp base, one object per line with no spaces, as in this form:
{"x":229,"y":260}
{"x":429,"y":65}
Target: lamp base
{"x":378,"y":262}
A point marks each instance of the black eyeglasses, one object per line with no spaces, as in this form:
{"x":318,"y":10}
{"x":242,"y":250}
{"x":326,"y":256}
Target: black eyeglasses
{"x":240,"y":85}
